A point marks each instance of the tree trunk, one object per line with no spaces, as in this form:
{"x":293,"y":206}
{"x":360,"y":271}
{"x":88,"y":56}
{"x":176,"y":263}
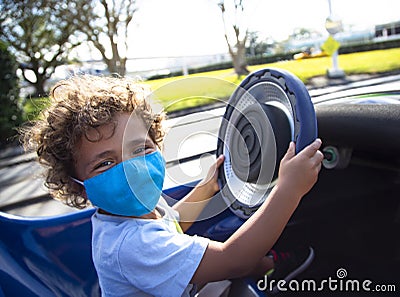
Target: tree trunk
{"x":239,"y":60}
{"x":39,"y":88}
{"x":38,"y":85}
{"x":116,"y":65}
{"x":237,"y":49}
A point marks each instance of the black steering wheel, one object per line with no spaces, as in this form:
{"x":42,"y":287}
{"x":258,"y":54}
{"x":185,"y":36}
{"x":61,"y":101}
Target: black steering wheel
{"x":267,"y":110}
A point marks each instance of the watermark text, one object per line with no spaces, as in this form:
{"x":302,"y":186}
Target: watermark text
{"x":339,"y":283}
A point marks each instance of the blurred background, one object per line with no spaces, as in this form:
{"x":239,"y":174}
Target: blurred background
{"x":47,"y":40}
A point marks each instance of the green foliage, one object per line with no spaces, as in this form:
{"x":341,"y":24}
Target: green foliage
{"x":10,"y":111}
{"x":34,"y":106}
{"x":40,"y":33}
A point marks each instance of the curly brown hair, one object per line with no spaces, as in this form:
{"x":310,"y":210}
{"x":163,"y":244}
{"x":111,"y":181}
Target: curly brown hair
{"x":79,"y":104}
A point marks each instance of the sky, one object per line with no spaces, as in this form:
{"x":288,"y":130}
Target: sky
{"x":194,"y":27}
{"x":169,"y":28}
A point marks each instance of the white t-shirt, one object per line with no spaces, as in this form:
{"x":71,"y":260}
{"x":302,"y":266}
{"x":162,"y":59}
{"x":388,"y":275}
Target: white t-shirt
{"x":142,"y":257}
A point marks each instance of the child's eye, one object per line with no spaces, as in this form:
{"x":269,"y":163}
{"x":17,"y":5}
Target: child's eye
{"x":139,"y":150}
{"x":104,"y":164}
{"x":143,"y":150}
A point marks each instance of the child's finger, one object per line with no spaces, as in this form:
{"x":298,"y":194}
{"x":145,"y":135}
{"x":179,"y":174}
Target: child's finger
{"x":317,"y":160}
{"x":213,"y":171}
{"x":218,"y":163}
{"x":291,"y":152}
{"x":311,"y":149}
{"x":318,"y":156}
{"x":220,"y":160}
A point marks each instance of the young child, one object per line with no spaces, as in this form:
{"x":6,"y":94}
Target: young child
{"x":101,"y":144}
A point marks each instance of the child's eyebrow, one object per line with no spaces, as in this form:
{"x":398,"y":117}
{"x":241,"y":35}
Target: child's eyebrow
{"x":139,"y":141}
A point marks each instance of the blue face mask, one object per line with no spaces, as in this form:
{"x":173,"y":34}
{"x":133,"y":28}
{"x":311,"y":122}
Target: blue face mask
{"x":131,"y":188}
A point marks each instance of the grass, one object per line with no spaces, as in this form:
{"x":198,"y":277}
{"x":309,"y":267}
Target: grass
{"x":183,"y":92}
{"x":202,"y":91}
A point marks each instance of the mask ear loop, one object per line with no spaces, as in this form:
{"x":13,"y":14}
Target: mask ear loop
{"x":77,"y":181}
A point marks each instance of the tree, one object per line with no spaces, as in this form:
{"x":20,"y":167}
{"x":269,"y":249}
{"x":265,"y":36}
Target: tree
{"x":107,"y":30}
{"x":235,"y":34}
{"x":41,"y":35}
{"x":257,"y":47}
{"x":10,"y":111}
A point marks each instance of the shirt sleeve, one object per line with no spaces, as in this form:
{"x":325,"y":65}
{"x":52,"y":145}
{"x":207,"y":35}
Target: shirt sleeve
{"x":159,"y":262}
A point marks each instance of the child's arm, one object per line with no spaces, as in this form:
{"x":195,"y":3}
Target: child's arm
{"x":240,"y":254}
{"x":191,"y":205}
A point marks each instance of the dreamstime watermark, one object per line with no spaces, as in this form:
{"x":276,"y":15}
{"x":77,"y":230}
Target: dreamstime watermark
{"x":340,"y":283}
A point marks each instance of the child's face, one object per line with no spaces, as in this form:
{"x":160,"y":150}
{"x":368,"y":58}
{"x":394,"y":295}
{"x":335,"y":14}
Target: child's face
{"x":116,"y":144}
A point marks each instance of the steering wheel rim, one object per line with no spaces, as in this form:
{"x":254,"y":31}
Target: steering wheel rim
{"x":270,"y":108}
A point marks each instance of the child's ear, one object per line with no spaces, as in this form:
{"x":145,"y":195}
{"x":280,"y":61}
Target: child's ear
{"x":79,"y":189}
{"x":83,"y":194}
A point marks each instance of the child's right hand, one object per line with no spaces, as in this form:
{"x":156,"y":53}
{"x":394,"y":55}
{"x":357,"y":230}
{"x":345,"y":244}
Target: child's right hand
{"x":298,"y":173}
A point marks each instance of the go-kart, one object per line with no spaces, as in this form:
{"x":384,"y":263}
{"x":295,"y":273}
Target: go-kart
{"x":351,"y":217}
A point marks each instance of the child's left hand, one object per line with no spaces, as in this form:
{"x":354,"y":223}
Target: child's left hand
{"x":210,"y":183}
{"x":191,"y":205}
